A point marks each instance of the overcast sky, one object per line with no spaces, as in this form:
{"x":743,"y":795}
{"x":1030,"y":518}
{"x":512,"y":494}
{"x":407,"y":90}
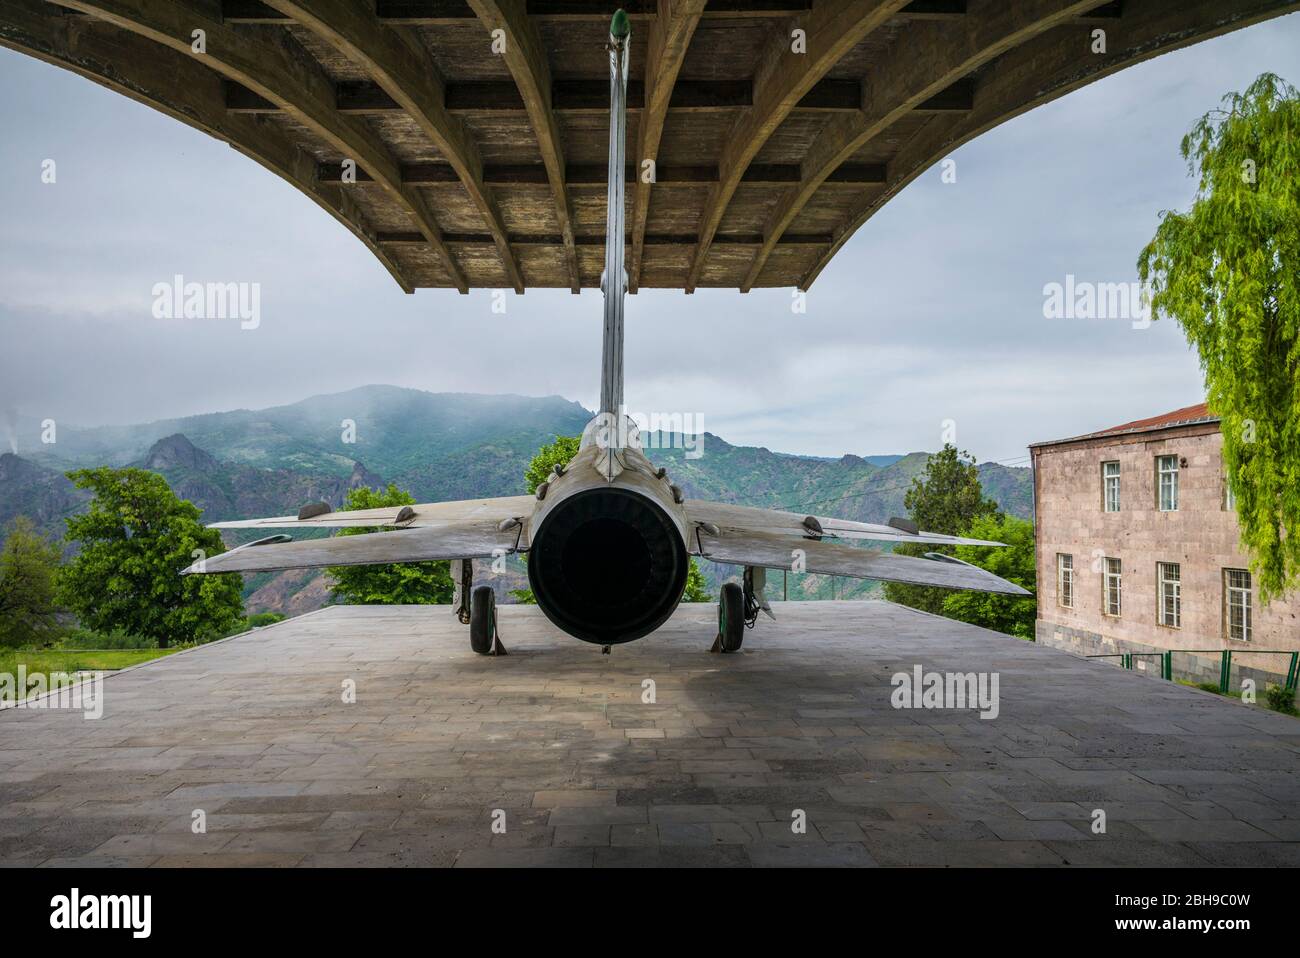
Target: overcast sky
{"x":932,"y":312}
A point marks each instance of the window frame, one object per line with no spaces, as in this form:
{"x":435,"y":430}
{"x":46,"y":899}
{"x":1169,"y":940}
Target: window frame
{"x":1105,"y":486}
{"x":1161,"y":473}
{"x":1247,"y":605}
{"x":1062,"y":589}
{"x":1106,"y":577}
{"x":1176,"y":581}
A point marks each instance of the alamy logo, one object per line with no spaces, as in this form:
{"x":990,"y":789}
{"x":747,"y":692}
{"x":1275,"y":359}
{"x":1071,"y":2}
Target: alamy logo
{"x":181,"y":300}
{"x":1075,"y":299}
{"x":946,"y":690}
{"x":654,"y":430}
{"x":134,"y":912}
{"x":53,"y":690}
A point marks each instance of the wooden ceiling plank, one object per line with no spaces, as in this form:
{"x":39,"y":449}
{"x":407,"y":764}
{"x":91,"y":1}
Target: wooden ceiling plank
{"x":579,"y":97}
{"x":498,"y":174}
{"x":442,"y":12}
{"x":400,"y":237}
{"x":406,"y":73}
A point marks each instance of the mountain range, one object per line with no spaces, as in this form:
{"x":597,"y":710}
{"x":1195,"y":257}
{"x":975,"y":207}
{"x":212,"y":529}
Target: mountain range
{"x":437,"y":446}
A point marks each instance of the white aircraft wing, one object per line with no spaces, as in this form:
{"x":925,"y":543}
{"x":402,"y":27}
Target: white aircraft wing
{"x":466,"y":539}
{"x":425,"y":514}
{"x":774,"y":550}
{"x":749,"y":519}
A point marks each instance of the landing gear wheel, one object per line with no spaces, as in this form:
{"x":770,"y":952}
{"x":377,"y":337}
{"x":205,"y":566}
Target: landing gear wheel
{"x":731,"y":619}
{"x":483,"y":622}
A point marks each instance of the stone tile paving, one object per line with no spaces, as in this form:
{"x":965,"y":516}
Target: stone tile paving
{"x":556,"y":741}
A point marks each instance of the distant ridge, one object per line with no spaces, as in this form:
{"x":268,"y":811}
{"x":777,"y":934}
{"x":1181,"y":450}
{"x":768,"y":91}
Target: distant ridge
{"x":248,"y":463}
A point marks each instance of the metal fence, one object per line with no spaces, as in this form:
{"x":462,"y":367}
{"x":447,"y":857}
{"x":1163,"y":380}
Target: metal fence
{"x":1166,"y":662}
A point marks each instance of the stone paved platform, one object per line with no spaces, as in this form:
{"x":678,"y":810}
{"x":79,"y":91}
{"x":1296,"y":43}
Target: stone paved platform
{"x":254,"y":732}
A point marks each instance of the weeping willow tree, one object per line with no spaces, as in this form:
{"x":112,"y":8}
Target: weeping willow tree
{"x":1228,"y":270}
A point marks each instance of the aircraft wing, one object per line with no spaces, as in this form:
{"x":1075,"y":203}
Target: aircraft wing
{"x":774,"y":550}
{"x":464,"y":539}
{"x":749,"y":519}
{"x":425,"y":514}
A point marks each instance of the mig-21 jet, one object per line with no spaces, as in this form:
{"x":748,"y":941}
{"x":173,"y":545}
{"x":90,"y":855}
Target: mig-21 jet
{"x":608,"y":537}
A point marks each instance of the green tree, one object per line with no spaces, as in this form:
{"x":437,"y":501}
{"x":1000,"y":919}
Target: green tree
{"x":697,"y":587}
{"x":1016,"y":563}
{"x":135,"y":538}
{"x":946,"y":498}
{"x":552,"y":454}
{"x":1228,"y":270}
{"x":29,"y":565}
{"x":396,"y":583}
{"x":557,"y":453}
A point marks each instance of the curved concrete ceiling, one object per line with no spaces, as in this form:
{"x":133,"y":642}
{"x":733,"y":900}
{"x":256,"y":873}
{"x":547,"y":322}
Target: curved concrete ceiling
{"x":464,"y":143}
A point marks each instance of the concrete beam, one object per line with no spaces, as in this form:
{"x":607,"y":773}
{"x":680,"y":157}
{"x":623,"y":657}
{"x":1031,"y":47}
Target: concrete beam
{"x":670,"y":36}
{"x":785,"y":76}
{"x":407,"y":74}
{"x":526,"y":58}
{"x":931,"y":68}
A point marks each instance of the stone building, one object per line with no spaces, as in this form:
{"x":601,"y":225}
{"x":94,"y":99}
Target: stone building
{"x":1139,"y":551}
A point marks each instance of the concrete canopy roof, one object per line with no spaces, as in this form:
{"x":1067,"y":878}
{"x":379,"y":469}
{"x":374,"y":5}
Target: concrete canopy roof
{"x":476,"y":168}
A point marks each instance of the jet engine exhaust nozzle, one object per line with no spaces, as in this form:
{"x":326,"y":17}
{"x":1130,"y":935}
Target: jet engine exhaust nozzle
{"x":607,"y":565}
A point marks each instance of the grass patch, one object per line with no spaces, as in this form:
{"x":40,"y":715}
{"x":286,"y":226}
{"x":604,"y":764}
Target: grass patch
{"x":76,"y":660}
{"x":86,"y":650}
{"x":1281,"y":699}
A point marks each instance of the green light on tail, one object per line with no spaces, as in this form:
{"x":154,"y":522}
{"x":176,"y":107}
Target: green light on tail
{"x":620,"y":26}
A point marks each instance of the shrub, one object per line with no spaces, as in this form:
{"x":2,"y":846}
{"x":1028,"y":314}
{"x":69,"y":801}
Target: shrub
{"x":1280,"y":699}
{"x":260,"y":619}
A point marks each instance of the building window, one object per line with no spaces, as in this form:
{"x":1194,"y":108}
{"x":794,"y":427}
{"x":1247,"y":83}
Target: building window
{"x":1110,"y":486}
{"x":1065,"y":580}
{"x":1170,"y":589}
{"x":1229,"y":497}
{"x":1167,"y":482}
{"x":1236,"y":601}
{"x":1110,"y":587}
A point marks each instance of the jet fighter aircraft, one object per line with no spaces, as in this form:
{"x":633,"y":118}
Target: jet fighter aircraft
{"x":608,"y":536}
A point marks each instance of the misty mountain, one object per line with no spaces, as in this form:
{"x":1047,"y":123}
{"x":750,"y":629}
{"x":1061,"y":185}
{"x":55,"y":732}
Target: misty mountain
{"x":395,"y":431}
{"x":43,"y":495}
{"x":231,"y":490}
{"x":246,"y":463}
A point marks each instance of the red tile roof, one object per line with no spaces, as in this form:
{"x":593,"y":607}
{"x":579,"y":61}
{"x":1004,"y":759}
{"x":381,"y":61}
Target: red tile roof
{"x":1188,"y":415}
